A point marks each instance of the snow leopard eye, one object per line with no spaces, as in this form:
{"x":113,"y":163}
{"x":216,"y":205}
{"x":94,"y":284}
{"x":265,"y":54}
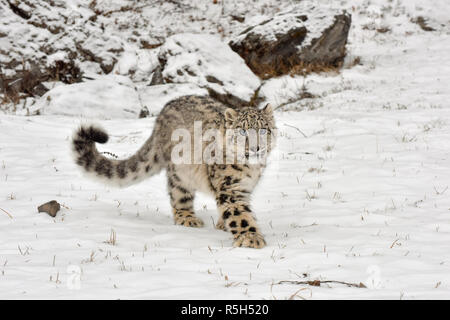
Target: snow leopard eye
{"x":262,"y":131}
{"x":243,"y":132}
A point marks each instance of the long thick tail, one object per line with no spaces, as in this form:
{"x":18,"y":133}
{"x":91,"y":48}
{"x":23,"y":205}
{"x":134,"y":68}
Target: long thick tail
{"x":121,"y":173}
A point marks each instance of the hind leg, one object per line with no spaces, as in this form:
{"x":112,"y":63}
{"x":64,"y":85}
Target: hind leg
{"x":181,"y":199}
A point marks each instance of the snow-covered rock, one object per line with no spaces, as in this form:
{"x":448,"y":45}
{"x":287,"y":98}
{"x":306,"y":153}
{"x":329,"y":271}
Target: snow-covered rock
{"x":103,"y":36}
{"x":309,"y":34}
{"x":108,"y":97}
{"x":206,"y":61}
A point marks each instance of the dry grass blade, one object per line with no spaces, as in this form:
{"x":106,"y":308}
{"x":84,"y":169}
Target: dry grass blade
{"x":394,"y":243}
{"x":288,"y":125}
{"x":296,"y":294}
{"x":112,"y":238}
{"x":9,"y":215}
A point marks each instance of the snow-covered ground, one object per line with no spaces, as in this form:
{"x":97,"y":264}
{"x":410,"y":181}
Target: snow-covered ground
{"x":357,"y":190}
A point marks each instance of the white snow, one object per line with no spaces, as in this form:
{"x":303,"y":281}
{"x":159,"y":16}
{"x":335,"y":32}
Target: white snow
{"x":107,"y":97}
{"x":357,"y":190}
{"x":155,"y":97}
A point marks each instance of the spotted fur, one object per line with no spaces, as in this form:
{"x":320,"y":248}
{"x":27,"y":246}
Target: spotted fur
{"x":230,"y":184}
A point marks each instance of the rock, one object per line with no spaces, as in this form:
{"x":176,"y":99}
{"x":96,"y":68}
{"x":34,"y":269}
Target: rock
{"x":144,"y":112}
{"x":157,"y":77}
{"x":239,"y":18}
{"x":27,"y":81}
{"x":65,"y":71}
{"x":310,"y":36}
{"x":204,"y":60}
{"x":51,"y":208}
{"x":422,"y":22}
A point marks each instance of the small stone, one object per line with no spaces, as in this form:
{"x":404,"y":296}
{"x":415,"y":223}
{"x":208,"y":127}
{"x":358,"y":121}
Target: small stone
{"x":51,"y":208}
{"x":144,"y":113}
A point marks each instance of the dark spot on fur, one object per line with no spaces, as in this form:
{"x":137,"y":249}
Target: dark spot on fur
{"x":147,"y":168}
{"x":121,"y":170}
{"x":246,"y":208}
{"x":233,"y":224}
{"x":133,"y":164}
{"x":239,"y":197}
{"x":233,"y":231}
{"x":80,"y":145}
{"x":235,"y":167}
{"x":226,"y":214}
{"x":185,"y":199}
{"x":223,"y":198}
{"x":237,"y":212}
{"x":252,"y":229}
{"x":170,"y":182}
{"x":92,"y":134}
{"x":155,"y":158}
{"x":183,"y":190}
{"x":86,"y":160}
{"x":244,"y":223}
{"x":104,"y":168}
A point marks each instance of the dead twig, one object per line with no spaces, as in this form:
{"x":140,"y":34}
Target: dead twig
{"x":318,"y":283}
{"x":394,"y":243}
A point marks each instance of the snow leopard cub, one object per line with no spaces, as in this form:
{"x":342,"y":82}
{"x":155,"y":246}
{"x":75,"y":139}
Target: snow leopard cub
{"x":230,"y":182}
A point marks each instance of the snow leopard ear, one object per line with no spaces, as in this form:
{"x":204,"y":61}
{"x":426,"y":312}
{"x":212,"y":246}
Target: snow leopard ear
{"x":230,"y":116}
{"x":268,"y":109}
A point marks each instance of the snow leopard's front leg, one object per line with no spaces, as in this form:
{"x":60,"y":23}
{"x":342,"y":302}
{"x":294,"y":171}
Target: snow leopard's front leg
{"x":235,"y":213}
{"x":239,"y":220}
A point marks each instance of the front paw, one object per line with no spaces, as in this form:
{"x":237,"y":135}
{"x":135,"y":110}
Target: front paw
{"x":189,"y":221}
{"x":250,"y":240}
